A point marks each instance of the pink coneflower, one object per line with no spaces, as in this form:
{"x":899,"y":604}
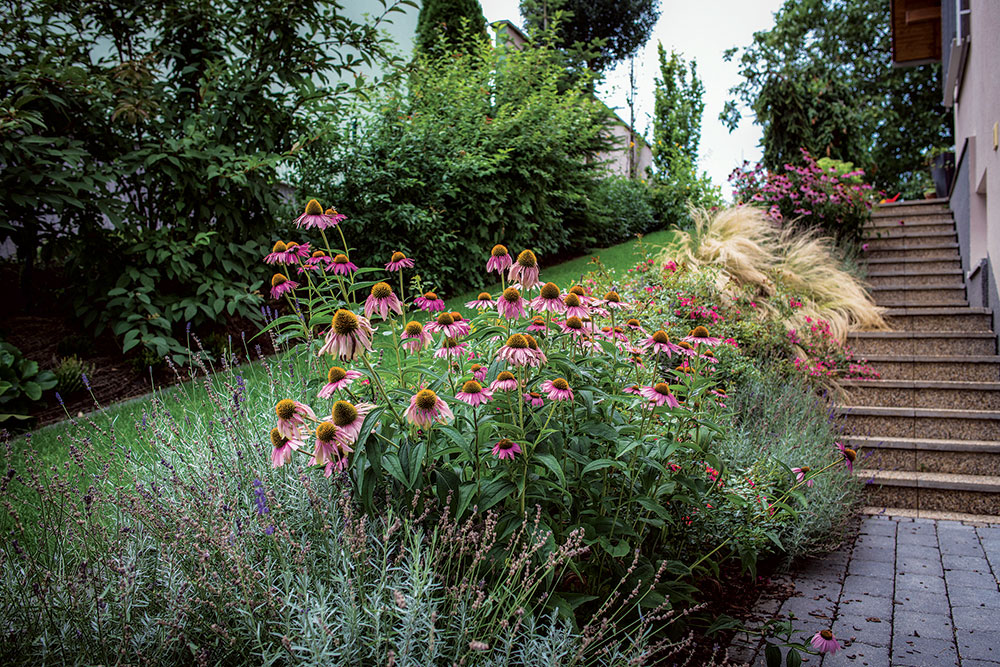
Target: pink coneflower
{"x":849,"y":455}
{"x":660,"y":342}
{"x":659,"y":394}
{"x":499,"y":260}
{"x":613,"y":301}
{"x":549,"y":300}
{"x":686,"y":349}
{"x":337,"y":378}
{"x":632,"y":389}
{"x":573,"y":307}
{"x":824,"y":642}
{"x":399,"y":261}
{"x":573,"y":326}
{"x":349,"y":418}
{"x":445,"y":324}
{"x":557,"y":390}
{"x":483,"y":301}
{"x":537,"y":325}
{"x":382,"y":301}
{"x":461,"y":325}
{"x":349,"y":336}
{"x":283,"y":448}
{"x":708,"y":357}
{"x":506,"y":449}
{"x":280,"y":285}
{"x":334,"y":217}
{"x":426,"y":408}
{"x":479,"y":371}
{"x":699,"y":336}
{"x":314,"y":216}
{"x":511,"y":304}
{"x":581,"y":294}
{"x":429,"y":302}
{"x":614,"y":334}
{"x":329,"y":450}
{"x":633,"y":324}
{"x":473,"y":393}
{"x":280,"y":254}
{"x":451,"y":348}
{"x":414,"y":337}
{"x":505,"y":382}
{"x":524,"y":270}
{"x":533,"y":347}
{"x":342,"y":266}
{"x":516,"y":352}
{"x":800,"y":474}
{"x":317,"y":262}
{"x":292,"y":417}
{"x":534,"y":399}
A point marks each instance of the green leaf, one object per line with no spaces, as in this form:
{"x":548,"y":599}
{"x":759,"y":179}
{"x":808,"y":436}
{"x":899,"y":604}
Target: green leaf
{"x":600,"y":464}
{"x":793,"y":659}
{"x":552,"y":464}
{"x":772,"y":654}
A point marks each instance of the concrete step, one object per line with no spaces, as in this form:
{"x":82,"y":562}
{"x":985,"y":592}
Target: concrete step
{"x":920,"y":295}
{"x":943,"y":278}
{"x":922,"y":207}
{"x":932,"y":491}
{"x":897,"y":240}
{"x":931,"y":224}
{"x":964,"y":368}
{"x":927,"y":394}
{"x":935,"y":250}
{"x":938,"y":424}
{"x":916,"y":221}
{"x":930,"y":515}
{"x":914,"y":265}
{"x":932,"y":343}
{"x":940,"y":319}
{"x":965,"y":457}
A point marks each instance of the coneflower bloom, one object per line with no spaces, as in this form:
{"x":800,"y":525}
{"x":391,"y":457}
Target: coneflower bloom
{"x":511,"y":304}
{"x":686,"y":349}
{"x":708,"y":356}
{"x":349,"y":336}
{"x":300,"y":250}
{"x":524,"y":270}
{"x":516,"y":352}
{"x":549,"y":300}
{"x":557,"y":390}
{"x":429,"y":302}
{"x":505,"y":382}
{"x":614,"y":301}
{"x":660,"y":342}
{"x":445,"y":324}
{"x":282,"y":448}
{"x":800,"y":475}
{"x":540,"y":357}
{"x":342,"y":266}
{"x":849,"y":455}
{"x":573,"y":326}
{"x":534,"y":399}
{"x":506,"y":449}
{"x":473,"y":393}
{"x":699,"y":335}
{"x":581,"y":294}
{"x":314,"y":216}
{"x":499,"y":260}
{"x":334,"y":217}
{"x":281,"y":285}
{"x":573,"y":306}
{"x":461,"y":324}
{"x":281,"y":255}
{"x":451,"y":348}
{"x":292,"y":417}
{"x":479,"y":371}
{"x":318,"y":261}
{"x":337,"y":378}
{"x":614,"y":334}
{"x":399,"y":261}
{"x":632,"y":389}
{"x":537,"y":325}
{"x":426,"y":408}
{"x":659,"y":394}
{"x":329,"y":450}
{"x":382,"y":301}
{"x":348,"y":418}
{"x":684,"y":368}
{"x":414,"y":337}
{"x":483,"y":301}
{"x":633,"y":324}
{"x":824,"y":642}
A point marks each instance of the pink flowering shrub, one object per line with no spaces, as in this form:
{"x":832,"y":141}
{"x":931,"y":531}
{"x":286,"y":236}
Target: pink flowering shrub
{"x":808,"y":195}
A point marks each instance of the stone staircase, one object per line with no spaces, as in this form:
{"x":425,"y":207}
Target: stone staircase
{"x":929,"y":428}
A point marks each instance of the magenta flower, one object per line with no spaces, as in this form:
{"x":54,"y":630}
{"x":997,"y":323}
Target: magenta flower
{"x":329,"y":450}
{"x":511,"y":304}
{"x":483,"y":301}
{"x":506,"y":449}
{"x":499,"y":260}
{"x":524,"y":270}
{"x":633,"y":324}
{"x":446,"y":325}
{"x":849,"y":455}
{"x":516,"y":352}
{"x":479,"y":372}
{"x":451,"y":348}
{"x":429,"y":302}
{"x":573,"y":326}
{"x":292,"y":417}
{"x":461,"y":325}
{"x":280,"y":285}
{"x":474,"y":394}
{"x":573,"y":307}
{"x":426,"y":408}
{"x":613,"y":301}
{"x":337,"y":378}
{"x":615,"y":334}
{"x":537,"y":325}
{"x":320,"y":259}
{"x":414,"y":337}
{"x":557,"y":390}
{"x":349,"y":336}
{"x":382,"y":301}
{"x":314,"y":216}
{"x":342,"y":266}
{"x":659,"y":394}
{"x":660,"y":342}
{"x":283,"y":253}
{"x":536,"y":351}
{"x":800,"y":474}
{"x":399,"y":261}
{"x":505,"y":382}
{"x":632,"y":389}
{"x":824,"y":642}
{"x":534,"y":399}
{"x":348,"y":418}
{"x":549,"y":300}
{"x":282,"y":448}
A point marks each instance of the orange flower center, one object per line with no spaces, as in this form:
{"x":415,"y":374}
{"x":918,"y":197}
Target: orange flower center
{"x":414,"y":328}
{"x":445,"y":319}
{"x":431,"y":296}
{"x":313,"y":208}
{"x":826,"y":634}
{"x":577,"y":290}
{"x":561,"y":384}
{"x":662,"y":388}
{"x":279,"y":247}
{"x":318,"y":254}
{"x":344,"y":413}
{"x":550,"y":291}
{"x":527,"y":259}
{"x":699,"y":332}
{"x":574,"y":323}
{"x":345,"y":322}
{"x":484,"y":296}
{"x":850,"y":454}
{"x":278,"y":279}
{"x":397,"y":256}
{"x":505,"y":444}
{"x":472,"y":387}
{"x":449,"y":342}
{"x":505,"y":376}
{"x":661,"y":337}
{"x":632,"y":322}
{"x":456,"y":316}
{"x":532,"y":343}
{"x":426,"y":399}
{"x":518,"y":342}
{"x":335,"y":374}
{"x":511,"y":295}
{"x":475,"y":367}
{"x":285,"y":409}
{"x":572,"y":301}
{"x":326,"y":431}
{"x":612,"y":297}
{"x":340,"y":259}
{"x":277,"y":439}
{"x":381,"y":290}
{"x":499,"y":250}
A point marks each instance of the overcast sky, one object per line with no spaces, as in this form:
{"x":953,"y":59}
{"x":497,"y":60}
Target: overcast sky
{"x":699,"y":30}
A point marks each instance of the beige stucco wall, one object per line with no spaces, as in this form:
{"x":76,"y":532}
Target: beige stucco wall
{"x":618,"y":159}
{"x":976,"y":110}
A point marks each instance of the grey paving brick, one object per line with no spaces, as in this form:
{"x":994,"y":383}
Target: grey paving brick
{"x":886,"y":553}
{"x":917,"y":539}
{"x":920,"y":582}
{"x":859,"y":654}
{"x":856,"y":585}
{"x":807,"y":610}
{"x":918,"y":552}
{"x":873,"y":568}
{"x":978,"y":645}
{"x":988,"y":532}
{"x":878,"y":527}
{"x":973,"y":563}
{"x":916,"y":528}
{"x":921,"y":602}
{"x":922,"y":566}
{"x":964,"y":545}
{"x":966,"y":662}
{"x":874,"y":632}
{"x":910,"y":624}
{"x":971,"y":579}
{"x":975,"y":618}
{"x":974,"y":596}
{"x":865,"y":606}
{"x":816,"y":588}
{"x":923,"y":652}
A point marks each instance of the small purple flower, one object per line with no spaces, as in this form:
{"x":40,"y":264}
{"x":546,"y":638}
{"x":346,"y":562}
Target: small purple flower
{"x":86,"y":382}
{"x":261,"y":497}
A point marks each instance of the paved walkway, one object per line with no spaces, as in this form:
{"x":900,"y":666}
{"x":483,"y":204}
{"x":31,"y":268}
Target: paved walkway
{"x":906,"y":592}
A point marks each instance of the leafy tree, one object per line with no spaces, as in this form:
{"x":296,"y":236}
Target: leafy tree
{"x":677,"y":109}
{"x":598,"y":32}
{"x":452,"y":22}
{"x":822,"y":79}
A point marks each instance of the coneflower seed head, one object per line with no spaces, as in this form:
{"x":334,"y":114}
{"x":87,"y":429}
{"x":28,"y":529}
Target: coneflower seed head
{"x":326,"y":431}
{"x":550,"y":291}
{"x":335,"y":374}
{"x":344,"y":413}
{"x":499,"y":251}
{"x":285,"y":409}
{"x":527,"y":259}
{"x":345,"y":322}
{"x":313,"y":208}
{"x":426,"y":399}
{"x":517,"y":341}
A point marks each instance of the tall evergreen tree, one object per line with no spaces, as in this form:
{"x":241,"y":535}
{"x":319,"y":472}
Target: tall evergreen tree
{"x":677,"y":111}
{"x":451,"y":22}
